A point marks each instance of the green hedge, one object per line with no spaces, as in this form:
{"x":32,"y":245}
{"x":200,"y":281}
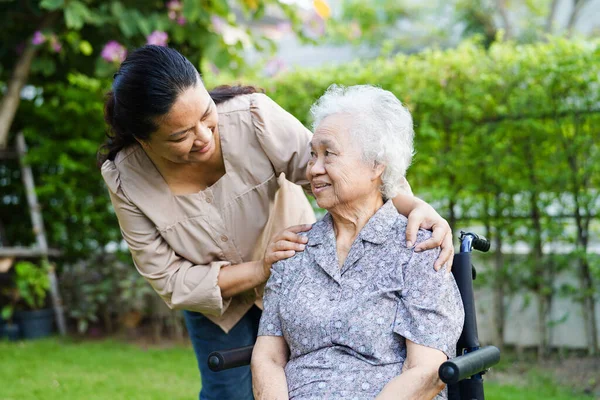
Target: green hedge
{"x":506,"y":137}
{"x":481,"y":117}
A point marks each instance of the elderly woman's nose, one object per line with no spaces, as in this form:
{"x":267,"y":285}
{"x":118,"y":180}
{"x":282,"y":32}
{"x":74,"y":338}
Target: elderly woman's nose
{"x":317,"y":167}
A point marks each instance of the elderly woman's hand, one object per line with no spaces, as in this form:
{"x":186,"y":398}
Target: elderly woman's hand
{"x":284,"y":245}
{"x":424,"y":216}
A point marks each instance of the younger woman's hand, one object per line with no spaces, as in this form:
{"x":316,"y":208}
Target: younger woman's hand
{"x":284,"y":245}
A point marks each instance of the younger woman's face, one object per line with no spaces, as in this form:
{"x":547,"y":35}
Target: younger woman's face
{"x":189,"y":132}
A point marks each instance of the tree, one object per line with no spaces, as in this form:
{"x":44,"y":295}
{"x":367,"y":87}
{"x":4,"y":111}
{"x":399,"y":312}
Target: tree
{"x":48,"y":39}
{"x":525,"y":21}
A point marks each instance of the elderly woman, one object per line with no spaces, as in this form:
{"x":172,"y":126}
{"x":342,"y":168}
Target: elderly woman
{"x":358,"y":314}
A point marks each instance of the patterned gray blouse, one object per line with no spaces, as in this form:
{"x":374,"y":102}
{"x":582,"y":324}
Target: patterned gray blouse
{"x":346,"y":327}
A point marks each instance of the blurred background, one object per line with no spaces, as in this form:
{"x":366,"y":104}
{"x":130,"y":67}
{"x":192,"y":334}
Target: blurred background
{"x":505,"y":97}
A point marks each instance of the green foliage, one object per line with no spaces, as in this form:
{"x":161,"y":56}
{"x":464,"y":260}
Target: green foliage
{"x":102,"y":287}
{"x":32,"y":284}
{"x":506,"y":138}
{"x":208,"y":32}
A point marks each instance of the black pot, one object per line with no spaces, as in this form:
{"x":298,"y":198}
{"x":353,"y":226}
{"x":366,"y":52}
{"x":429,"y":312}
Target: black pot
{"x":35,"y":324}
{"x":11,"y":331}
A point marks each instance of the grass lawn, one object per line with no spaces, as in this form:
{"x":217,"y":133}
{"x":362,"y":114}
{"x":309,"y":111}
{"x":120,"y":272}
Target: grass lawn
{"x":66,"y":370}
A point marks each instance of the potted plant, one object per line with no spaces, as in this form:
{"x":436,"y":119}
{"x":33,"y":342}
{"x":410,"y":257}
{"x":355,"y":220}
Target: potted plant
{"x":32,"y":284}
{"x":10,"y":329}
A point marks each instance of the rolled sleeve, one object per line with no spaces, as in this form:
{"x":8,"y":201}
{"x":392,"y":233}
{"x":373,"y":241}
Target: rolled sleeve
{"x":283,"y":138}
{"x":270,"y":322}
{"x":181,"y":283}
{"x":430,"y":310}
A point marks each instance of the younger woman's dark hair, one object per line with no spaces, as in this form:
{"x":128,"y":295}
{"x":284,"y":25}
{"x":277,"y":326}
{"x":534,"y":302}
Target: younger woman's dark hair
{"x":144,"y":89}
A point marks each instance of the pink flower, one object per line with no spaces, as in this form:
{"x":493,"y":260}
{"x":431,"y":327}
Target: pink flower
{"x":314,"y":26}
{"x":172,"y":15}
{"x":158,"y":38}
{"x":274,"y":66}
{"x":181,"y":20}
{"x":214,"y":69}
{"x":218,"y":24}
{"x":55,"y":44}
{"x":57,"y":47}
{"x":174,"y":5}
{"x":355,"y":31}
{"x":114,"y":52}
{"x":284,"y":27}
{"x":38,"y":38}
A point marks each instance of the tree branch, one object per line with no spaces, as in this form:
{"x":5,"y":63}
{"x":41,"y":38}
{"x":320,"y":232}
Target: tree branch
{"x":577,"y":6}
{"x":501,"y":6}
{"x":551,"y":16}
{"x":20,"y":74}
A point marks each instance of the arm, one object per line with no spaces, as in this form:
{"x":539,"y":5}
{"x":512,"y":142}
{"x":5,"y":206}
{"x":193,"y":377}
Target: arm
{"x":271,"y":352}
{"x":430,"y":318}
{"x":419,"y":379}
{"x":269,"y":357}
{"x":422,"y":215}
{"x":181,"y":283}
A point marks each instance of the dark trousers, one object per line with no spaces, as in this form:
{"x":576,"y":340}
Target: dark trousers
{"x":236,"y":383}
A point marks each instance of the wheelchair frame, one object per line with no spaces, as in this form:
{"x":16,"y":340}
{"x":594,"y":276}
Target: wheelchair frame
{"x":462,"y":374}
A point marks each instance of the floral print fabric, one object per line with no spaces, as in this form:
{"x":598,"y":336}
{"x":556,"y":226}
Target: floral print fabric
{"x":346,"y":327}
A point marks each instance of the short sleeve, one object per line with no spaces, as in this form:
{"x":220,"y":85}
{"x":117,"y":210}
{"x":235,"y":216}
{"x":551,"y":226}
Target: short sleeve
{"x":270,"y":322}
{"x":283,"y":138}
{"x":430,"y":310}
{"x":180,"y":283}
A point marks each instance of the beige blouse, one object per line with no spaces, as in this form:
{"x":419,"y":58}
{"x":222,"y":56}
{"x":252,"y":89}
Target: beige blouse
{"x":179,"y":243}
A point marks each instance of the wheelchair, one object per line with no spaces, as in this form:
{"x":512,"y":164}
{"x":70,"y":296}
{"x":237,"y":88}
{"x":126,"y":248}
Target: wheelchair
{"x":463,"y":375}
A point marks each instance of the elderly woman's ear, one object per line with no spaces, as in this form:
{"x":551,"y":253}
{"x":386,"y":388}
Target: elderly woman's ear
{"x":378,"y":169}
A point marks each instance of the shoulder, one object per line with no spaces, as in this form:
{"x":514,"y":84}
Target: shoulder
{"x":113,"y":170}
{"x":245,"y":103}
{"x":400,"y":225}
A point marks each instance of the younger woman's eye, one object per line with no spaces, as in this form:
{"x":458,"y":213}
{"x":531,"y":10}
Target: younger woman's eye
{"x":181,"y":139}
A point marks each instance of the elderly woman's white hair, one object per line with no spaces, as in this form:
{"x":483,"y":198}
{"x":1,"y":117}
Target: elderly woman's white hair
{"x":380,"y":123}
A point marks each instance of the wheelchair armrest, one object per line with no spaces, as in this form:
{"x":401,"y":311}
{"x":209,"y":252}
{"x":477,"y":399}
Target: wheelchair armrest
{"x":469,"y":364}
{"x":226,"y":359}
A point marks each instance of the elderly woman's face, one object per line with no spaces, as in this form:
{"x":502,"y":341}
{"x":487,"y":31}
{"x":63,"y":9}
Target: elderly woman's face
{"x":336,"y":171}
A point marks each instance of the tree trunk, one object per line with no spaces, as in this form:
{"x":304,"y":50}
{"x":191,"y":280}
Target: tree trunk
{"x":499,"y":284}
{"x":540,"y":272}
{"x":586,"y":281}
{"x":10,"y":102}
{"x":501,"y":5}
{"x":577,"y":6}
{"x":551,"y":16}
{"x":580,"y":184}
{"x":12,"y":98}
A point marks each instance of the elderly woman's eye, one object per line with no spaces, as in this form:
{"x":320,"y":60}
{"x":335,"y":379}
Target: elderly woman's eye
{"x":313,"y":154}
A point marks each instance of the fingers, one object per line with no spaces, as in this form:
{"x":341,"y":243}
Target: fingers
{"x":446,"y":257}
{"x":412,"y":227}
{"x":290,"y":237}
{"x":279,"y":255}
{"x":434,"y":241}
{"x":299,"y":228}
{"x":284,"y":245}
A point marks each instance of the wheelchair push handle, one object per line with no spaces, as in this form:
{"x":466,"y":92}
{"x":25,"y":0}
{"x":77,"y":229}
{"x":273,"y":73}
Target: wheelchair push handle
{"x":465,"y":366}
{"x":222,"y":360}
{"x":470,"y":241}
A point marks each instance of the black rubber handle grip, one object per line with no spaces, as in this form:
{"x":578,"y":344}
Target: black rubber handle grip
{"x":469,"y":364}
{"x":227,"y":359}
{"x":481,"y":243}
